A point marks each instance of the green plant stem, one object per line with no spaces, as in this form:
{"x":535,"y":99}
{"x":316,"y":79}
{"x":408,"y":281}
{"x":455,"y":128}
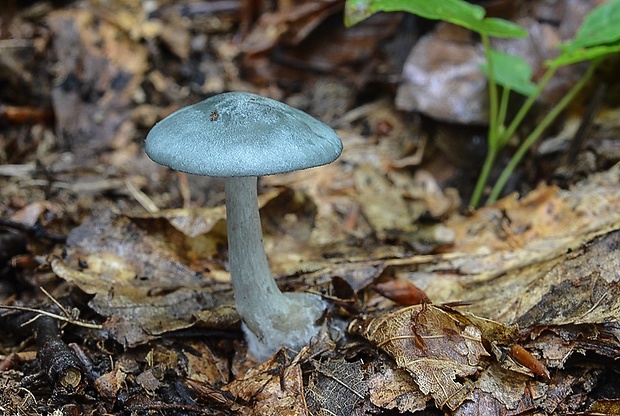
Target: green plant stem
{"x":493,"y":101}
{"x":484,"y":175}
{"x":501,"y":116}
{"x":492,"y":138}
{"x":493,"y":151}
{"x":527,"y":105}
{"x":496,"y":140}
{"x":538,"y":131}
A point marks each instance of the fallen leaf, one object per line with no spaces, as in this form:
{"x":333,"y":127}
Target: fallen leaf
{"x":336,"y":388}
{"x":382,"y":204}
{"x":402,"y":292}
{"x":432,"y":346}
{"x":584,"y":288}
{"x":98,"y":71}
{"x":273,"y":388}
{"x":143,"y":289}
{"x":391,"y":387}
{"x":524,"y":276}
{"x":507,"y":389}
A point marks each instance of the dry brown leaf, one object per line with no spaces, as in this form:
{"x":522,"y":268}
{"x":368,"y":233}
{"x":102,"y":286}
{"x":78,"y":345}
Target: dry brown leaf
{"x":332,"y":188}
{"x":382,"y":203}
{"x":391,"y":387}
{"x":402,"y":292}
{"x":326,"y":187}
{"x":296,"y":22}
{"x":544,"y":215}
{"x":143,"y":289}
{"x":507,"y":388}
{"x":336,"y":388}
{"x":432,"y":345}
{"x":357,"y":275}
{"x":149,"y":381}
{"x":491,"y":331}
{"x":192,"y":222}
{"x":98,"y":71}
{"x":557,"y":344}
{"x":505,"y":275}
{"x":584,"y":288}
{"x":274,"y":388}
{"x":203,"y":366}
{"x":483,"y":402}
{"x":110,"y":383}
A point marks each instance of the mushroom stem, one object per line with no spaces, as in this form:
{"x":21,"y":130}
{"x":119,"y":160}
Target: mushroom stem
{"x":251,"y":277}
{"x":271,"y":318}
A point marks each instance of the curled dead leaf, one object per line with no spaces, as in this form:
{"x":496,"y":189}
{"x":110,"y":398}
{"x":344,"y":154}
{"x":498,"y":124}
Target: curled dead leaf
{"x":433,"y":346}
{"x":402,"y":292}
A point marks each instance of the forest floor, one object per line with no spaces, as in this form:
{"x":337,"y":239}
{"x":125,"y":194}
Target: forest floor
{"x":114,"y":283}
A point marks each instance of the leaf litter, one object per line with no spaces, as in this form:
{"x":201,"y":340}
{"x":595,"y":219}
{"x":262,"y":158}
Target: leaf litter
{"x":441,"y":348}
{"x":507,"y":310}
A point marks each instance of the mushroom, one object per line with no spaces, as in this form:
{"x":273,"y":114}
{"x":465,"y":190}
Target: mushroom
{"x":240,"y":136}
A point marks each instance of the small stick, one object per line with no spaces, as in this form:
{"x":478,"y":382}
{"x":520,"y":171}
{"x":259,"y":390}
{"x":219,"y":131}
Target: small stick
{"x":142,"y":198}
{"x":41,"y":313}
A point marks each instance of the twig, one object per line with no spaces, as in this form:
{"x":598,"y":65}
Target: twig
{"x":60,"y":363}
{"x":50,"y":297}
{"x":50,"y":315}
{"x":185,"y":189}
{"x":142,"y":198}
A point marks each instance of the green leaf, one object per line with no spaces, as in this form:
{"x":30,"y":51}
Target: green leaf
{"x":601,"y":26}
{"x":455,"y":11}
{"x":580,"y":55}
{"x":512,"y":72}
{"x":458,"y":12}
{"x":492,"y":26}
{"x":357,"y":10}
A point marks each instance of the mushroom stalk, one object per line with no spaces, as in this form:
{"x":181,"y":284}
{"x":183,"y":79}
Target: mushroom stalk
{"x":271,"y":318}
{"x":251,"y":277}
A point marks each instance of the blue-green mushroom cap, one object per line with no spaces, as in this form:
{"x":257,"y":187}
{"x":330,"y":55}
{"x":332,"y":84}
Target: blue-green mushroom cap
{"x":241,"y":134}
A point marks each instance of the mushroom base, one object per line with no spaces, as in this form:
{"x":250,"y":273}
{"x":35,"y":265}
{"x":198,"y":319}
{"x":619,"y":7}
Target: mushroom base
{"x":292,"y":323}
